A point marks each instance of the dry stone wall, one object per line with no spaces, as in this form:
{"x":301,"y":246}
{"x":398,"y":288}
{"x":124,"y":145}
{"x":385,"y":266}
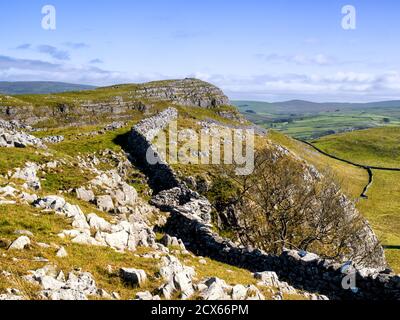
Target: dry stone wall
{"x":190,"y":221}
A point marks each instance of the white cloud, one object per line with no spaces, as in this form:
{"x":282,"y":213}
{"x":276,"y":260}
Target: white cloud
{"x":346,"y":85}
{"x":298,"y":59}
{"x":340,"y":86}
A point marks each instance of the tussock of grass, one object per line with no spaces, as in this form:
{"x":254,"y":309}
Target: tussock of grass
{"x":13,"y":158}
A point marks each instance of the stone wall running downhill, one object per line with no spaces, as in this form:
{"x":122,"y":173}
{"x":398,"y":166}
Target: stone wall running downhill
{"x":190,"y":220}
{"x":161,"y":176}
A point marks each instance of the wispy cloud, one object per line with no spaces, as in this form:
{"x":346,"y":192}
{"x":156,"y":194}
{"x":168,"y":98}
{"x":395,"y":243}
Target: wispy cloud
{"x":96,"y":61}
{"x":340,"y":86}
{"x":76,"y":45}
{"x":24,"y":46}
{"x":298,"y":59}
{"x":9,"y":63}
{"x":14,"y":69}
{"x":54,"y":52}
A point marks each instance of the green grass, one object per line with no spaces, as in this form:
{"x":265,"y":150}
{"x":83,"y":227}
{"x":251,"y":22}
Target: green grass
{"x":383,"y":206}
{"x":65,"y":178}
{"x":14,"y":158}
{"x":352,"y":186}
{"x":375,"y":147}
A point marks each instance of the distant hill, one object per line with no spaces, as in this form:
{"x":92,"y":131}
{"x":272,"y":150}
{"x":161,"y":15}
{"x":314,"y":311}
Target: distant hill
{"x":39,"y":87}
{"x":301,"y":106}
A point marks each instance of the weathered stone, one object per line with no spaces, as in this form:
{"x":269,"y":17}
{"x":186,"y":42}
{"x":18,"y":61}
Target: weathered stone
{"x":118,"y":240}
{"x":86,"y":239}
{"x":134,"y":277}
{"x":144,"y":296}
{"x":216,"y":290}
{"x":24,"y":233}
{"x":97,"y":223}
{"x":49,"y":283}
{"x":269,"y":278}
{"x":105,"y":203}
{"x":239,"y":292}
{"x":62,"y":253}
{"x":53,"y":139}
{"x":20,"y":243}
{"x":85,"y":195}
{"x":169,"y":241}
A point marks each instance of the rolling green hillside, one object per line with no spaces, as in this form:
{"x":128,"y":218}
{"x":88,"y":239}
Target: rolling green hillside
{"x":374,"y":147}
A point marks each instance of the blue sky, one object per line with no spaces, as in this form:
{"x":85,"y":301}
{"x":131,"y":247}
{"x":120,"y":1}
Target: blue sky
{"x":254,"y":49}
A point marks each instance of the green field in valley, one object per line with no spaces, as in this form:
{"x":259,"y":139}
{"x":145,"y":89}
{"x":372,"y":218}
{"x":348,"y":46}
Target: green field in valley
{"x":307,"y":121}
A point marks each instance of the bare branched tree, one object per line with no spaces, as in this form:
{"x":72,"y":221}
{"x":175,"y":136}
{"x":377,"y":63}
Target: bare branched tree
{"x":282,"y":205}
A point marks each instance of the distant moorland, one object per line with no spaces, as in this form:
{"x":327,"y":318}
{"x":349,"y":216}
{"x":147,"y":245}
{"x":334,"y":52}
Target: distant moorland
{"x":40,"y":87}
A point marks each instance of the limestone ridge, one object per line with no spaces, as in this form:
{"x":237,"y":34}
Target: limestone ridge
{"x":190,"y":221}
{"x":116,"y":102}
{"x":186,"y":92}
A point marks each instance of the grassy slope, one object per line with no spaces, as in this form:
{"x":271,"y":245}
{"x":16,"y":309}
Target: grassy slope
{"x":374,"y":147}
{"x":353,"y":187}
{"x":377,"y":147}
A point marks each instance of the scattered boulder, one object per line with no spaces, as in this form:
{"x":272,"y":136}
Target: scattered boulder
{"x":53,"y":139}
{"x":105,"y":203}
{"x":29,"y":175}
{"x":8,"y":191}
{"x":97,"y":223}
{"x":179,"y":278}
{"x":85,"y":195}
{"x":24,"y":233}
{"x":62,"y":253}
{"x":133,"y":277}
{"x":216,"y":289}
{"x":239,"y":292}
{"x":169,"y":241}
{"x":268,"y":278}
{"x":78,"y":286}
{"x":15,"y":139}
{"x":20,"y":243}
